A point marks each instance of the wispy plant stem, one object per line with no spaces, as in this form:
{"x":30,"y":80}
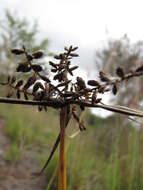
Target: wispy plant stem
{"x":62,"y":154}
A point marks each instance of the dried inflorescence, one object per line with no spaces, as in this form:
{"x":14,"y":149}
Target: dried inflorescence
{"x":60,"y":91}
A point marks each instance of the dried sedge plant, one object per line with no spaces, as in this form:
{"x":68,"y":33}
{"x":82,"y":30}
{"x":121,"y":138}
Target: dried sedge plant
{"x":63,"y":93}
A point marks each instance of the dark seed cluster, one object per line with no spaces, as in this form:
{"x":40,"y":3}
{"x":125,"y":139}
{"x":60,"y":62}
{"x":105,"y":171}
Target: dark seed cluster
{"x":61,"y":91}
{"x":40,"y":88}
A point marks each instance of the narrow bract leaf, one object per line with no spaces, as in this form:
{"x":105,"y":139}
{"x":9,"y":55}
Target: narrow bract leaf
{"x":73,"y":68}
{"x":53,"y":64}
{"x":74,"y":55}
{"x":75,"y":48}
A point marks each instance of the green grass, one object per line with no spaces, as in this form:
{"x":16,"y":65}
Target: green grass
{"x":107,"y":156}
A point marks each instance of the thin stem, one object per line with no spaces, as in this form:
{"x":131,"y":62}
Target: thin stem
{"x":55,"y":103}
{"x":62,"y":154}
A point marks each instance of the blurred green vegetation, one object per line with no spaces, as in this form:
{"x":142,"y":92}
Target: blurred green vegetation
{"x":108,"y":155}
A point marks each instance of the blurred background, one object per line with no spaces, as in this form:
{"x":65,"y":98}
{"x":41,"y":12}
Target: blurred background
{"x":109,"y":154}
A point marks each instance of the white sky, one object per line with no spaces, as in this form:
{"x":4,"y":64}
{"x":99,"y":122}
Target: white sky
{"x":83,"y":23}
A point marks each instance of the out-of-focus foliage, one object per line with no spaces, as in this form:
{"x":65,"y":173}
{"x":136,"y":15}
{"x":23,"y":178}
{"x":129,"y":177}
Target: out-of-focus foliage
{"x":123,"y":53}
{"x":16,"y":32}
{"x":106,"y":156}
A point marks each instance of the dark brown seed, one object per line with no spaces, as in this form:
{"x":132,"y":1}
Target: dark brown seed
{"x":19,"y":83}
{"x":74,"y":55}
{"x":120,"y":72}
{"x":114,"y":89}
{"x":38,"y":54}
{"x":17,"y":51}
{"x":23,"y":67}
{"x":93,"y":83}
{"x":37,"y":68}
{"x":139,"y":68}
{"x":18,"y":94}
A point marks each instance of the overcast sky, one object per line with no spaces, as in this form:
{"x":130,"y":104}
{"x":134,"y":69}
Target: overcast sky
{"x":84,"y":23}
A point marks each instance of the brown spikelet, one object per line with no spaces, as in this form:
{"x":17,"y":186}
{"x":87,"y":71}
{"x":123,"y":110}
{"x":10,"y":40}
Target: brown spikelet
{"x":37,"y":68}
{"x":17,"y":51}
{"x":23,"y":67}
{"x":38,"y":54}
{"x":93,"y":83}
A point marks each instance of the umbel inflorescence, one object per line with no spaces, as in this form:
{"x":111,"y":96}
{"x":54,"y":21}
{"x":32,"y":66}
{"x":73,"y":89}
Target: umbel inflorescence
{"x":39,"y":87}
{"x":61,"y":91}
